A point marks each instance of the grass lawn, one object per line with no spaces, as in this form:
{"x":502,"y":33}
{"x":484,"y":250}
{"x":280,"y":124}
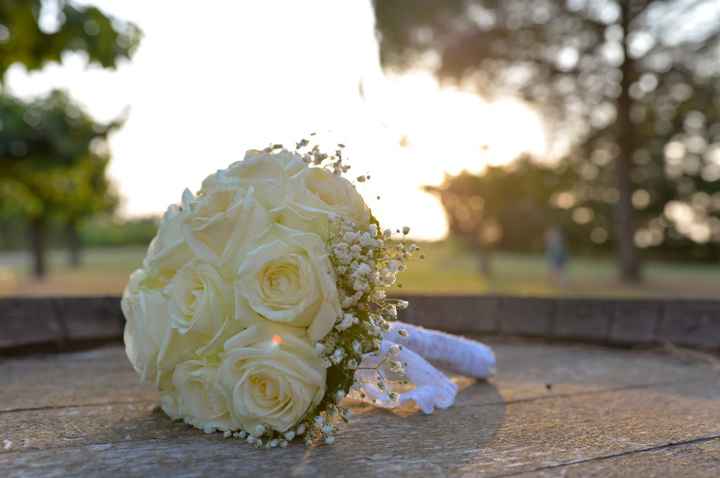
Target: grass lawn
{"x":446,"y":269}
{"x":105,"y":271}
{"x":449,"y":269}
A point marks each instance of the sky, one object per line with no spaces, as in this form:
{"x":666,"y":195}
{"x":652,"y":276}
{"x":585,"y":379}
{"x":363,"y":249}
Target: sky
{"x":210,"y":82}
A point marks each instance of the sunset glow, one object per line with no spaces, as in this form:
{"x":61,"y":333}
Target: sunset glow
{"x":204,"y":87}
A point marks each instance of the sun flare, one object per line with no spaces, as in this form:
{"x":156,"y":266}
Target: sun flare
{"x":248,"y":85}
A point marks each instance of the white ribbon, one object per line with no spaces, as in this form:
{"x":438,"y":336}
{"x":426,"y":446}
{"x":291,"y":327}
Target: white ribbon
{"x":420,"y":347}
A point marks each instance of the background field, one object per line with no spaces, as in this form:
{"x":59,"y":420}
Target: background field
{"x":446,"y":269}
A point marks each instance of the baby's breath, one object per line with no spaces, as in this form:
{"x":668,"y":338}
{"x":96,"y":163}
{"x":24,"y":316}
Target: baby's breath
{"x":366,"y":260}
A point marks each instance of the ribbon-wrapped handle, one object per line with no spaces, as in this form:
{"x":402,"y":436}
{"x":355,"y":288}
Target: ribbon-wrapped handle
{"x":456,"y":354}
{"x":420,"y":346}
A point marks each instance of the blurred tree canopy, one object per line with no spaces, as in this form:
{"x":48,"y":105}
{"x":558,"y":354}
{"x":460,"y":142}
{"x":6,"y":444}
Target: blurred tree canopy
{"x":63,"y":175}
{"x":630,"y":88}
{"x":36,"y":32}
{"x":507,"y":207}
{"x":53,"y":155}
{"x":52,"y":132}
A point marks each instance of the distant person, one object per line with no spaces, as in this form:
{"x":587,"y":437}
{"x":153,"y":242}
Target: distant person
{"x":556,"y":254}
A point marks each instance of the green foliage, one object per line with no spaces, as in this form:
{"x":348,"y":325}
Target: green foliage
{"x":509,"y":207}
{"x":49,"y":132}
{"x":563,"y":56}
{"x":99,"y":231}
{"x":108,"y":231}
{"x":104,"y":39}
{"x":54,"y":158}
{"x":408,"y":30}
{"x":621,"y":79}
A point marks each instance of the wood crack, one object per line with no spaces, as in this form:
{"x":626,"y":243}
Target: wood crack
{"x":665,"y":446}
{"x":80,"y":405}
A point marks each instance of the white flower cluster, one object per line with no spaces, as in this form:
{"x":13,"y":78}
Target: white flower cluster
{"x":259,"y":297}
{"x":366,"y":262}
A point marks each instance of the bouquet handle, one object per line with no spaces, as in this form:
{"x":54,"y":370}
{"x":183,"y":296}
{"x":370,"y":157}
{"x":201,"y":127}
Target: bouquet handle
{"x":456,"y":354}
{"x":419,"y":347}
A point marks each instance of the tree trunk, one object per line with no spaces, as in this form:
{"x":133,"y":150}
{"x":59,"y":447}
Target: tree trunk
{"x":6,"y":235}
{"x":38,"y":244}
{"x":485,"y":263}
{"x":629,"y":263}
{"x":73,"y":244}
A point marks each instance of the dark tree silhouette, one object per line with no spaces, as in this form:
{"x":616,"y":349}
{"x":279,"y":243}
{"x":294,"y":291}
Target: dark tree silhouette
{"x":48,"y":163}
{"x":63,"y":171}
{"x":75,"y":28}
{"x":612,"y":76}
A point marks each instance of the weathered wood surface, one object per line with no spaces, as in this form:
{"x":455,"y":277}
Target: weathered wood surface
{"x":552,"y":410}
{"x":58,"y":322}
{"x":64,"y":322}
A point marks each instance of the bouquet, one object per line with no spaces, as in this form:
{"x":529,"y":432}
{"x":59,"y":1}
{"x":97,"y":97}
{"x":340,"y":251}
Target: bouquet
{"x":261,"y":304}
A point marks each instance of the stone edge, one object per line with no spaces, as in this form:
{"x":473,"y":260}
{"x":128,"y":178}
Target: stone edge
{"x":61,"y":323}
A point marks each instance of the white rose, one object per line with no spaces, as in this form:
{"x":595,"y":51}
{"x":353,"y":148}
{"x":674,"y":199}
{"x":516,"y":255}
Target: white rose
{"x":221,"y":223}
{"x":267,"y":173}
{"x":291,"y":162}
{"x":169,"y":404}
{"x":147,"y":323}
{"x":273,"y":376}
{"x":288,"y":278}
{"x":315,"y":194}
{"x":200,"y":299}
{"x":168,"y":250}
{"x":152,"y":344}
{"x":200,"y":400}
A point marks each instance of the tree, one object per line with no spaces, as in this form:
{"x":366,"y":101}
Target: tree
{"x":609,"y":74}
{"x":73,"y":28}
{"x":506,"y":206}
{"x":46,"y":146}
{"x":54,"y":167}
{"x":88,"y":193}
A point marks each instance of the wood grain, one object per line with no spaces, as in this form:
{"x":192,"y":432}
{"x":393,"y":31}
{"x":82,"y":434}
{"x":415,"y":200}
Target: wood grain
{"x":552,"y":410}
